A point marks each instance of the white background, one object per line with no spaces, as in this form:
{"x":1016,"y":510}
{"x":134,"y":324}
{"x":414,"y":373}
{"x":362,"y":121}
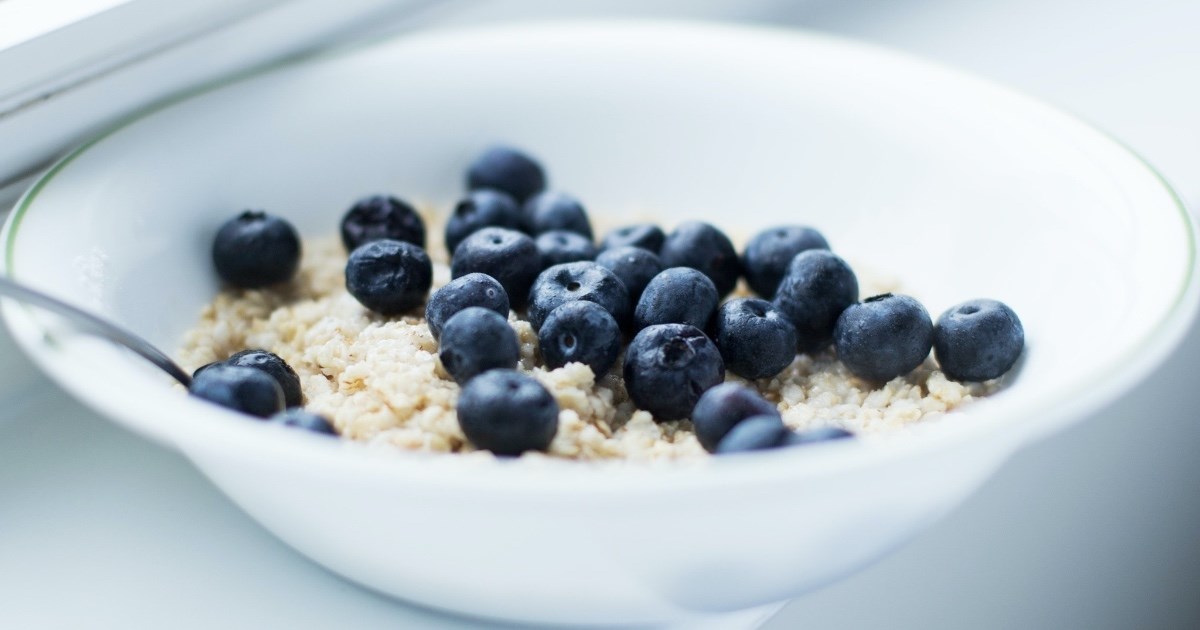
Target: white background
{"x":1094,"y":528}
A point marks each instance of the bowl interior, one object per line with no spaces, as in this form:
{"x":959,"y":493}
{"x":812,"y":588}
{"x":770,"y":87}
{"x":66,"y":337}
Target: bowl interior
{"x":957,"y":188}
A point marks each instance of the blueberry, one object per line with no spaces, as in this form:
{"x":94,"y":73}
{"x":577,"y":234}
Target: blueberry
{"x":978,"y":340}
{"x":701,"y":246}
{"x":823,"y":434}
{"x":560,"y":246}
{"x":509,"y":170}
{"x":581,"y":332}
{"x":507,"y":413}
{"x":680,"y":295}
{"x":568,"y":282}
{"x":379,"y":217}
{"x":883,"y":337}
{"x":239,"y":388}
{"x":506,"y":255}
{"x":724,"y":406}
{"x":476,"y":340}
{"x":552,"y":210}
{"x":205,"y":367}
{"x":389,"y":277}
{"x":301,"y":419}
{"x":644,"y":235}
{"x":480,"y":209}
{"x":276,"y":368}
{"x":766,"y":258}
{"x":753,"y":434}
{"x":473,"y":289}
{"x":818,"y":286}
{"x":634,"y":266}
{"x":756,"y":339}
{"x":256,"y":249}
{"x":668,"y":367}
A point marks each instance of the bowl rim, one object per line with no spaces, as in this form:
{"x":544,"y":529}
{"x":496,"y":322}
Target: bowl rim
{"x":205,"y":422}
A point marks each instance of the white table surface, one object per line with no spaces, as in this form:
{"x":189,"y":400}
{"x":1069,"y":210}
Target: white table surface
{"x":1094,"y":528}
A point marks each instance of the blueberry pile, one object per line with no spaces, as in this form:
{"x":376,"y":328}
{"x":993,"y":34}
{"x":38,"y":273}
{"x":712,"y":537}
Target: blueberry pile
{"x":662,"y":297}
{"x":260,"y":384}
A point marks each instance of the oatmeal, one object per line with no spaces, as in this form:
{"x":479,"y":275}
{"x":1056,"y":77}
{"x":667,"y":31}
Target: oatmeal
{"x":379,"y":379}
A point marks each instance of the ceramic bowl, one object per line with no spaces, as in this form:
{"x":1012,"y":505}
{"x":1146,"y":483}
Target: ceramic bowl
{"x":956,"y":186}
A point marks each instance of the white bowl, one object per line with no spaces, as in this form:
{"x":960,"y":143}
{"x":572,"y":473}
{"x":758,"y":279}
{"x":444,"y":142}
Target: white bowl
{"x":960,"y":188}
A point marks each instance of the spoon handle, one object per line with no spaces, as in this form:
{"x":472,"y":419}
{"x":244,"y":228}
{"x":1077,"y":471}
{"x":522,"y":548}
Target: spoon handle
{"x":90,"y":323}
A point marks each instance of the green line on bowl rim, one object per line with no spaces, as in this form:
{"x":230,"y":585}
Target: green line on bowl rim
{"x":26,"y":200}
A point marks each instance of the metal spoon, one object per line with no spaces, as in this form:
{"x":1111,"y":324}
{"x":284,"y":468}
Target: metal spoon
{"x":86,"y":322}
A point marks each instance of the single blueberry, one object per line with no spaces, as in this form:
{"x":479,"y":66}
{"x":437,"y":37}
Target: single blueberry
{"x":753,"y":434}
{"x":473,"y":289}
{"x":644,"y":235}
{"x":381,"y":216}
{"x":560,"y":246}
{"x":256,"y":249}
{"x":756,"y":339}
{"x":509,"y":256}
{"x":679,"y":295}
{"x":978,"y":340}
{"x":581,"y":332}
{"x":506,"y":169}
{"x":552,"y":210}
{"x":481,"y":209}
{"x":389,"y":277}
{"x":243,"y":389}
{"x":476,"y":340}
{"x":723,"y":407}
{"x":276,"y":368}
{"x":823,"y":434}
{"x":568,"y":282}
{"x":668,"y":368}
{"x":701,"y":246}
{"x":818,"y":286}
{"x":766,"y":257}
{"x":507,"y":413}
{"x":299,"y":418}
{"x":634,"y":266}
{"x":883,"y":337}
